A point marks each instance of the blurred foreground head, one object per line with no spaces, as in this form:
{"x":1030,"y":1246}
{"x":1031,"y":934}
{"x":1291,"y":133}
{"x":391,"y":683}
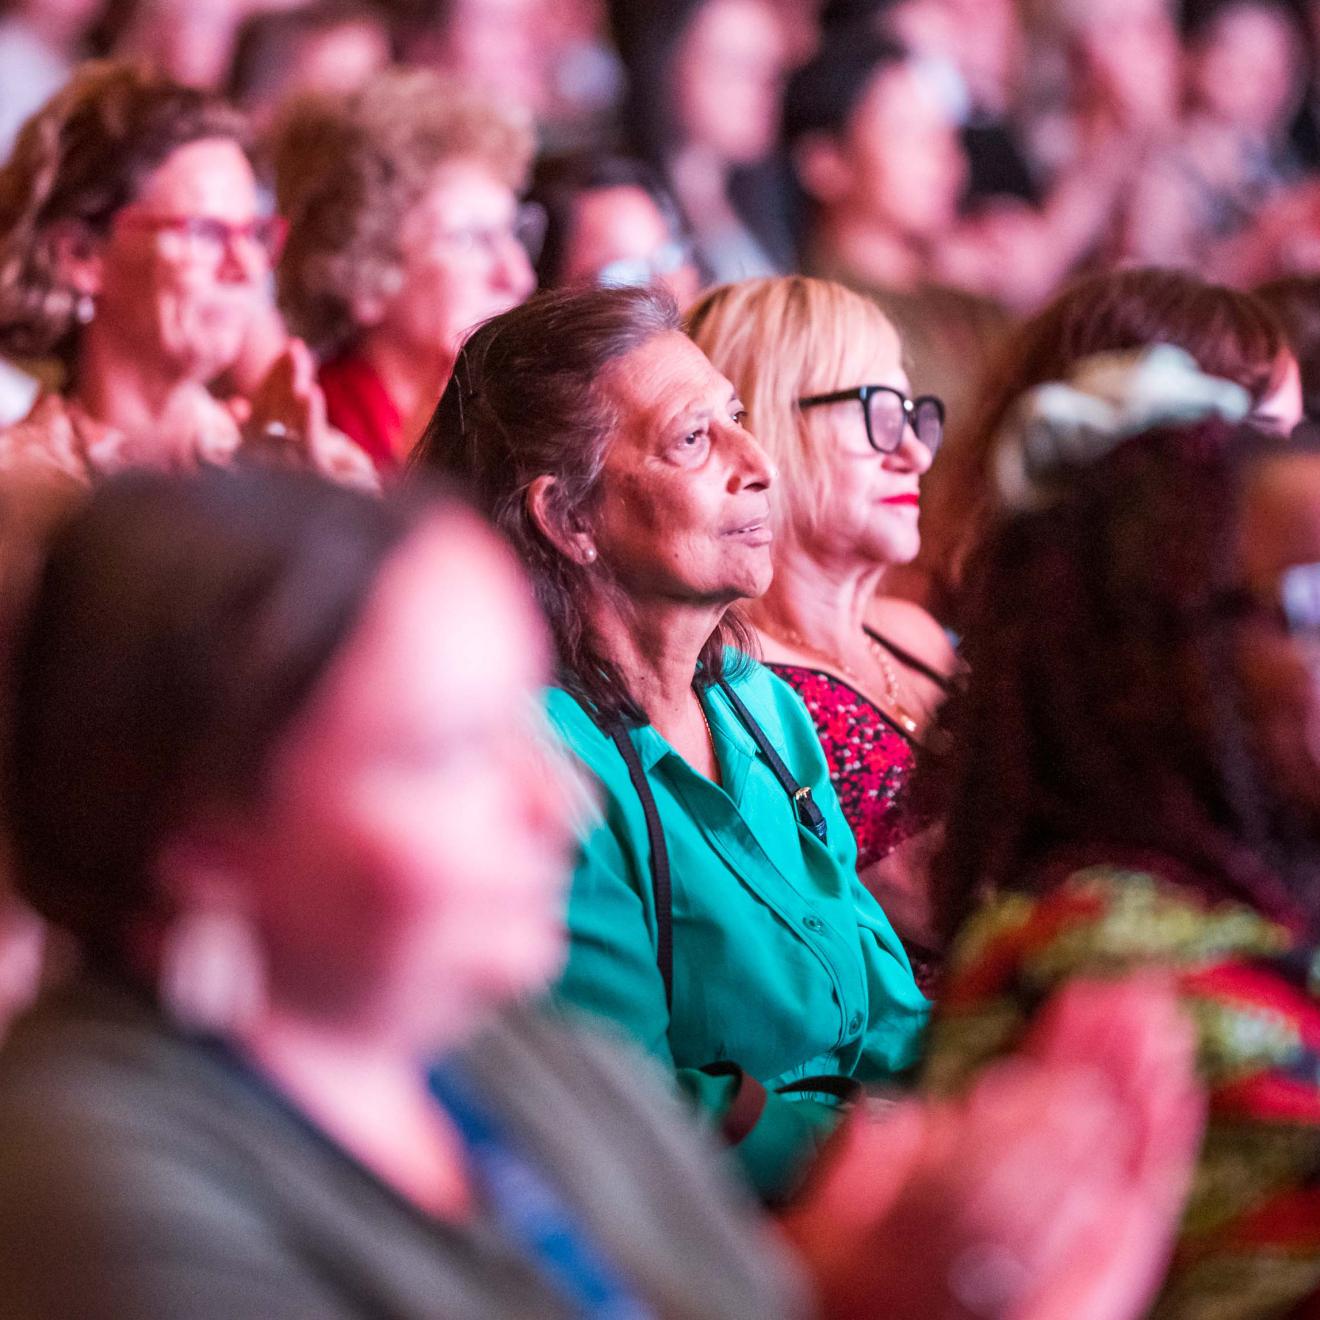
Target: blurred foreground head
{"x":243,"y":699}
{"x":1142,"y":635}
{"x":1230,"y":333}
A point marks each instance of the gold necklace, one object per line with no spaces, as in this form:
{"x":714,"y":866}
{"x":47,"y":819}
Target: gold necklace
{"x":710,"y":733}
{"x":705,"y":719}
{"x":902,"y":716}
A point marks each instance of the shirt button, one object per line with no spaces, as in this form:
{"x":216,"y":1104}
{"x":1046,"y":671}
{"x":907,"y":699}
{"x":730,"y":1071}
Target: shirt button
{"x":855,"y":1024}
{"x":813,"y":924}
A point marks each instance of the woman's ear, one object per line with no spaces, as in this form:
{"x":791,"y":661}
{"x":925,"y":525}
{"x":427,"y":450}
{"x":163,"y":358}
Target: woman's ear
{"x":822,"y":169}
{"x":575,"y":542}
{"x":76,"y":256}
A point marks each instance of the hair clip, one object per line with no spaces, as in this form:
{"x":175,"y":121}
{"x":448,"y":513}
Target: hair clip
{"x":1107,"y":399}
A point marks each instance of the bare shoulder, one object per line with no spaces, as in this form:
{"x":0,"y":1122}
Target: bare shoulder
{"x":917,"y":631}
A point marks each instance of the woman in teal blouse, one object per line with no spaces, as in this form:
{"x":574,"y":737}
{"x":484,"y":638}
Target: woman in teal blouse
{"x":615,"y":458}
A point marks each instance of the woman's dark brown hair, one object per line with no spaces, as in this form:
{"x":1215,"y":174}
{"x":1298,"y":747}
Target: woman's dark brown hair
{"x":176,"y":628}
{"x":81,"y":158}
{"x":1231,"y":334}
{"x":525,"y":401}
{"x":1100,"y":715}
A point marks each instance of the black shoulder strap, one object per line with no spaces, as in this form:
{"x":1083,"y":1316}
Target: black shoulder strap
{"x":908,"y":660}
{"x":661,"y":886}
{"x":807,"y":811}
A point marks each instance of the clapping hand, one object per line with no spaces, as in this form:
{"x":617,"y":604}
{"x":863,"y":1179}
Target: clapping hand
{"x":284,"y":423}
{"x":1051,"y":1189}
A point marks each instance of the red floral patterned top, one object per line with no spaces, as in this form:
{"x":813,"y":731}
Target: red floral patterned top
{"x":1249,"y":1244}
{"x":870,"y":760}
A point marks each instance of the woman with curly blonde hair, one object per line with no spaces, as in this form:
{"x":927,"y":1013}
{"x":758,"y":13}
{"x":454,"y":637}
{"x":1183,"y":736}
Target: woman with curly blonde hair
{"x":404,"y":232}
{"x":133,"y":252}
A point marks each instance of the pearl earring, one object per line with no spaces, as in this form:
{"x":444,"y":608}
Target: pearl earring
{"x":589,"y":554}
{"x":84,"y":309}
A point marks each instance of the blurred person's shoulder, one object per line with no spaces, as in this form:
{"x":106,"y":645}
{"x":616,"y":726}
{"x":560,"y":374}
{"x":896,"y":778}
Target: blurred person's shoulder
{"x":59,"y":442}
{"x":665,"y":1197}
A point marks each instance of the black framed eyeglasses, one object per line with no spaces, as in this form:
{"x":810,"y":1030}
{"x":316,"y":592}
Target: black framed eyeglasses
{"x":887,"y":412}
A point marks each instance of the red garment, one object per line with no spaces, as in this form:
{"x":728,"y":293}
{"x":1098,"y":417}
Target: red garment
{"x":870,"y":761}
{"x":357,"y":404}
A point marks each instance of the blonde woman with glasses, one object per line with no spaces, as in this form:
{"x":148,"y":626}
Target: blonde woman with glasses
{"x":820,"y":369}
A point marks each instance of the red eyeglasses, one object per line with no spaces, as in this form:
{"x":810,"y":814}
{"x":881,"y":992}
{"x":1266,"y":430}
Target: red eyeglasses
{"x":204,"y":238}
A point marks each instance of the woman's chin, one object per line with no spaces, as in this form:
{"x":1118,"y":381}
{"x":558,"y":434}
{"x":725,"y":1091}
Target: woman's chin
{"x":204,"y":360}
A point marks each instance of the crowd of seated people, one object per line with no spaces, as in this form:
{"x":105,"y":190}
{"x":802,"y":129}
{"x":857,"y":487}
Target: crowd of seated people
{"x":536,"y":781}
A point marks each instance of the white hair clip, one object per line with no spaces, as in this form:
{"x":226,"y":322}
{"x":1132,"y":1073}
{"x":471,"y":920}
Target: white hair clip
{"x":1107,"y":399}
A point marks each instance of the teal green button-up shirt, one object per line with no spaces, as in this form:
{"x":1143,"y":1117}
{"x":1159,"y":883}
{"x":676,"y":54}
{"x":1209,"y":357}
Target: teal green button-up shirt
{"x":783,"y":963}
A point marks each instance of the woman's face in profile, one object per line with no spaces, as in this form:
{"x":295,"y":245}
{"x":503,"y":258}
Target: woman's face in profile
{"x":871,"y":501}
{"x":1279,"y":664}
{"x":684,"y":510}
{"x":407,"y":865}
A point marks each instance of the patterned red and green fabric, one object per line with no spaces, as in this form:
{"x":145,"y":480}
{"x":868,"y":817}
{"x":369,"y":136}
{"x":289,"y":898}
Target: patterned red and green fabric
{"x":1249,"y":1245}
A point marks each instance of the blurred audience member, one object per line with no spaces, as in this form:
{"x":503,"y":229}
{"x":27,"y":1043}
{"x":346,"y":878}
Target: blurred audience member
{"x":1295,"y":300}
{"x":240,"y":700}
{"x":1108,"y":73}
{"x":876,"y":150}
{"x":1023,"y":228}
{"x":191,"y":41}
{"x":705,"y":81}
{"x":586,"y":81}
{"x":1230,"y":154}
{"x":821,"y":370}
{"x":132,"y":248}
{"x":878,"y":156}
{"x":228,"y":1108}
{"x":605,"y":445}
{"x":610,"y":221}
{"x":552,"y":58}
{"x":1101,"y":96}
{"x":1228,"y":332}
{"x":494,"y":47}
{"x":404,"y":232}
{"x":976,"y":48}
{"x":1129,"y":780}
{"x":330,"y":46}
{"x":40,"y":41}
